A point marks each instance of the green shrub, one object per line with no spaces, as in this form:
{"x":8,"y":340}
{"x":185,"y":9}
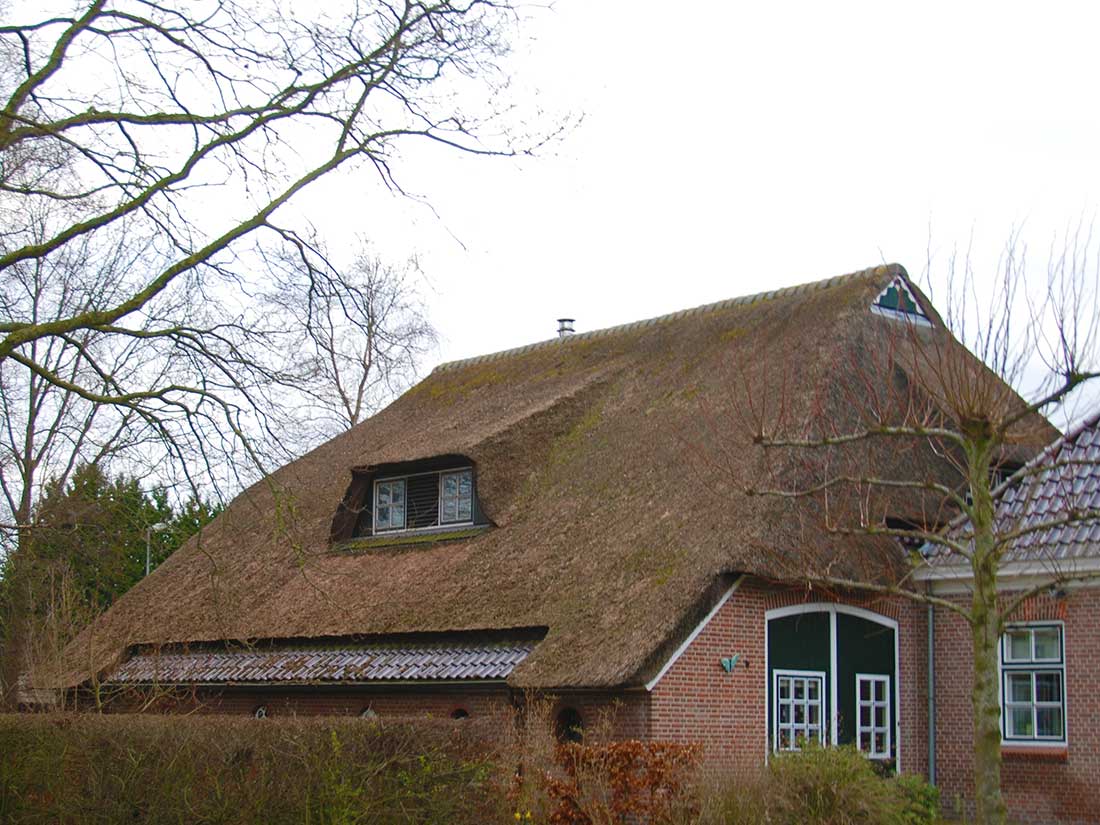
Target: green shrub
{"x":80,"y":770}
{"x":831,"y":786}
{"x":921,"y":801}
{"x":820,"y":786}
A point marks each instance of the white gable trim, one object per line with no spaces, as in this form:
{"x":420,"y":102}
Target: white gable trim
{"x":694,"y":633}
{"x":919,"y":318}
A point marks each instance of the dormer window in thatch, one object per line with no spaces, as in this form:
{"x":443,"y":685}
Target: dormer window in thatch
{"x":433,"y":497}
{"x":896,"y":301}
{"x":421,"y":500}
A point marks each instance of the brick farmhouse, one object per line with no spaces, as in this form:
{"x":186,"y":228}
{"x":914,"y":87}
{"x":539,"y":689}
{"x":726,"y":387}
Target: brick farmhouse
{"x":570,"y":518}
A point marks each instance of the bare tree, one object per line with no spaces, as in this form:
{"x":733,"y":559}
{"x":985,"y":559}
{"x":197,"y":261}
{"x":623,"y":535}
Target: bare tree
{"x":952,"y":428}
{"x":147,"y":154}
{"x":121,"y":118}
{"x":354,"y":338}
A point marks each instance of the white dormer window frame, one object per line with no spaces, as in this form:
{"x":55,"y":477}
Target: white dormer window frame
{"x":455,"y":505}
{"x":389,"y":504}
{"x":916,"y":317}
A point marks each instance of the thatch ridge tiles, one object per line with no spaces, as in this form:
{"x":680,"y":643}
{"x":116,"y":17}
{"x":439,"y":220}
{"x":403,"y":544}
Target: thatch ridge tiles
{"x":726,"y":303}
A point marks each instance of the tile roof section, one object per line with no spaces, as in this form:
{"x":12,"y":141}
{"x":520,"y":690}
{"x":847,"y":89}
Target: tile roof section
{"x":369,"y":663}
{"x":1061,"y":485}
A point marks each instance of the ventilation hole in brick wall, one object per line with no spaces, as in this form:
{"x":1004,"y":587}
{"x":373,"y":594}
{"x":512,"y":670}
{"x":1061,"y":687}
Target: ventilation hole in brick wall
{"x":260,"y":712}
{"x":569,"y":726}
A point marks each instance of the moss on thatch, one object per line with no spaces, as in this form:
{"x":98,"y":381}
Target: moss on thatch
{"x":397,"y":540}
{"x":611,"y":464}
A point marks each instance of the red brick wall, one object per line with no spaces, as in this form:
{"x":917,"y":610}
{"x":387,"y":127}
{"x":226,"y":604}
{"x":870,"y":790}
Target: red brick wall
{"x":1036,"y":789}
{"x":328,"y":702}
{"x":619,"y":715}
{"x":697,"y":701}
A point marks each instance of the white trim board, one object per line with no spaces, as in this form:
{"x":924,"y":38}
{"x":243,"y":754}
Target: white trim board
{"x":694,"y":634}
{"x":956,"y":578}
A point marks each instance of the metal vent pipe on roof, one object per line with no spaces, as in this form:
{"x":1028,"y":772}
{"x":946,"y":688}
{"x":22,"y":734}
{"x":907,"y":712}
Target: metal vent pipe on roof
{"x":565,"y":326}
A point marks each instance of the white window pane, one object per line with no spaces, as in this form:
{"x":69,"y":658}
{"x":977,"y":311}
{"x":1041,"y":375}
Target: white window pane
{"x":865,"y":715}
{"x":799,"y":688}
{"x":799,"y":714}
{"x":784,"y":688}
{"x":811,"y":689}
{"x":450,"y":485}
{"x":1047,"y":643}
{"x":864,"y":690}
{"x":880,"y":717}
{"x":880,"y":743}
{"x":1049,"y":722}
{"x":813,"y":717}
{"x":397,"y":517}
{"x":1019,"y":645}
{"x":450,"y":510}
{"x":1019,"y":687}
{"x":383,"y":516}
{"x":383,"y":494}
{"x":880,"y":690}
{"x":465,"y":509}
{"x":397,"y":492}
{"x":784,"y":714}
{"x":1020,"y":721}
{"x":1048,"y":687}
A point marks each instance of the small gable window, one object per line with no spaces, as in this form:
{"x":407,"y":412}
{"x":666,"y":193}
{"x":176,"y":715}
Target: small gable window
{"x":896,"y":301}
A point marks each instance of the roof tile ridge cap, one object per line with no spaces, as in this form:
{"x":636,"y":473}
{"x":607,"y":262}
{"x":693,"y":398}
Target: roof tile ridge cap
{"x":725,"y":303}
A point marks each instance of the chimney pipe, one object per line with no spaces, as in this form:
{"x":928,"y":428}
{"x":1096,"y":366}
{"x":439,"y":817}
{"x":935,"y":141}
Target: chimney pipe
{"x":565,"y":327}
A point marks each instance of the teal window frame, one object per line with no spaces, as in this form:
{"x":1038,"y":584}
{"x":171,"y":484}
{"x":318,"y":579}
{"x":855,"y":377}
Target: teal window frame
{"x":1029,"y":670}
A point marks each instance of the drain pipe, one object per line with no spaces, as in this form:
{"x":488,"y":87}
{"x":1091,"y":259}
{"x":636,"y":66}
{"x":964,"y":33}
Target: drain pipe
{"x":931,"y":695}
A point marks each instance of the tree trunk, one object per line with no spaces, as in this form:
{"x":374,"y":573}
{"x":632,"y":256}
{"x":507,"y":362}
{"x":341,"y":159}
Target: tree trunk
{"x":985,"y":699}
{"x":985,"y":630}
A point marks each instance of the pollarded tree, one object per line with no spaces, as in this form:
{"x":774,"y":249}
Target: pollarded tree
{"x":960,"y":429}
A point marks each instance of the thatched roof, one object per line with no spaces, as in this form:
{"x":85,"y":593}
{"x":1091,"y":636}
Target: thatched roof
{"x":611,"y":465}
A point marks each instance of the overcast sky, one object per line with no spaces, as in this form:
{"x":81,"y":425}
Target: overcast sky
{"x":729,"y":147}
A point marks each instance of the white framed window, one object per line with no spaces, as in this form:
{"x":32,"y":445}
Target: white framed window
{"x":873,"y":715}
{"x":1033,"y":684}
{"x":456,"y":497}
{"x":389,"y":504}
{"x":799,"y":708}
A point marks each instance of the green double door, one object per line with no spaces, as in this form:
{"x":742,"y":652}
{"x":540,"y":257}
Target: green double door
{"x":832,"y":679}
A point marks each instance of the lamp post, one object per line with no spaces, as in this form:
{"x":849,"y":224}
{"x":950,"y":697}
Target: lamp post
{"x":160,"y":527}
